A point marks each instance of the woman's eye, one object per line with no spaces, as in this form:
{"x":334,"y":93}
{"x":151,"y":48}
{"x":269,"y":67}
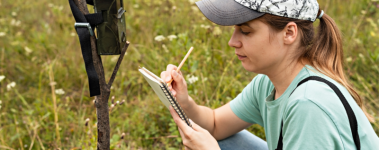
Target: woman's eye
{"x":245,"y":33}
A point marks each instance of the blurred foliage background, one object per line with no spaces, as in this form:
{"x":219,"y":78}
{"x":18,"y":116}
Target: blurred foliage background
{"x":41,"y":62}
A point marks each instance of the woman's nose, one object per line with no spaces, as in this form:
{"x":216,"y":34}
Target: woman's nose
{"x":234,"y":42}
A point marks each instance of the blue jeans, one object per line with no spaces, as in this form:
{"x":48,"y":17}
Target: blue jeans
{"x":243,"y":140}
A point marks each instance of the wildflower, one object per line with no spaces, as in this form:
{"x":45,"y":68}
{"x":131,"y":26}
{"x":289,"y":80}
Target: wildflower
{"x":361,"y":55}
{"x":2,"y":34}
{"x":205,"y":26}
{"x":72,"y":34}
{"x":14,"y":14}
{"x":165,"y":48}
{"x":87,"y":120}
{"x":112,"y":99}
{"x":15,"y":22}
{"x":2,"y":77}
{"x":159,"y":38}
{"x":122,"y":102}
{"x":122,"y":136}
{"x":11,"y":85}
{"x":349,"y":59}
{"x":59,"y":91}
{"x":192,"y":79}
{"x":217,"y":31}
{"x":28,"y":50}
{"x":136,"y":6}
{"x":171,"y":37}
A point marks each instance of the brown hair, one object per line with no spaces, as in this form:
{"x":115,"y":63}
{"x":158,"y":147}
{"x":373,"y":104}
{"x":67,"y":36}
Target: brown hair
{"x":324,"y":51}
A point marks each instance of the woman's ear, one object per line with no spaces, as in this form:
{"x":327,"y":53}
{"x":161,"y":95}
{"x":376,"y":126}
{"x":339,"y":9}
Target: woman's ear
{"x":290,"y":33}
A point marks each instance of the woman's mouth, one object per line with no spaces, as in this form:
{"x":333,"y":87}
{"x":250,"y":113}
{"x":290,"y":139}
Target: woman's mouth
{"x":240,"y":57}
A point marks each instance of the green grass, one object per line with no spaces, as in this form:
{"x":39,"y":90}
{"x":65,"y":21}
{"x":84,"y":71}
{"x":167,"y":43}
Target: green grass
{"x":46,"y":28}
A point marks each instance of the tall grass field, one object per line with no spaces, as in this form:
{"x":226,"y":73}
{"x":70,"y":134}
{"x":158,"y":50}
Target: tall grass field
{"x":44,"y":95}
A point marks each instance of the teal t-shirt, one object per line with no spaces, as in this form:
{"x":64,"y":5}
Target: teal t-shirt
{"x":313,"y":117}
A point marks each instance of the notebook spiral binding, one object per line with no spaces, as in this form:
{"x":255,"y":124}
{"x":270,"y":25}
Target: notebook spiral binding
{"x":175,"y":104}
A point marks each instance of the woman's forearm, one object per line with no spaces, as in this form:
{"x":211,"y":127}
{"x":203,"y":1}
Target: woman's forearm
{"x":202,"y":115}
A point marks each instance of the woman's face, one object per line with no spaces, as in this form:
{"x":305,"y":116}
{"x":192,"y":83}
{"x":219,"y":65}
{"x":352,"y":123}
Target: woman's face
{"x":258,"y":51}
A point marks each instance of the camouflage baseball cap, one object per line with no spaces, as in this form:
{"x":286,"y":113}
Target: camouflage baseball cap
{"x":232,"y":12}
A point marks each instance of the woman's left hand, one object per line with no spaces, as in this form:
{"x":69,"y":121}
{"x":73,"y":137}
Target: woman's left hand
{"x":195,"y":138}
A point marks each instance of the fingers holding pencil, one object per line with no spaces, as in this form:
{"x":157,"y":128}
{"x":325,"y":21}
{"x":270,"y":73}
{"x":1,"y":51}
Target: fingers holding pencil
{"x":181,"y":63}
{"x":179,"y":87}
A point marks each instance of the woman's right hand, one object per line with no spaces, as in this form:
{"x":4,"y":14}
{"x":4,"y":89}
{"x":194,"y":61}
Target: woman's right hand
{"x":178,"y":86}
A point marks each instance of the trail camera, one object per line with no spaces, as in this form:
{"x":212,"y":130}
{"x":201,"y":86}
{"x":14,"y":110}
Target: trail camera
{"x":111,"y":35}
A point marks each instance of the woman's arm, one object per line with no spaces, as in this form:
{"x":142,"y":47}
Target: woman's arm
{"x":221,"y":122}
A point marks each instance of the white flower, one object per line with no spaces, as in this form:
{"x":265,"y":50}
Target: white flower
{"x":59,"y":91}
{"x":171,"y":37}
{"x":159,"y":38}
{"x":136,"y":6}
{"x":217,"y":31}
{"x":72,"y":34}
{"x":361,"y":55}
{"x":349,"y":59}
{"x":15,"y":22}
{"x":11,"y":85}
{"x":192,"y":79}
{"x":205,"y":26}
{"x":14,"y":14}
{"x":165,"y":48}
{"x":2,"y":34}
{"x":28,"y":50}
{"x":2,"y":77}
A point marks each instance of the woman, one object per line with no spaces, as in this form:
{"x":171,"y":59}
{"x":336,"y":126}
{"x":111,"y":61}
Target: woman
{"x":276,"y":40}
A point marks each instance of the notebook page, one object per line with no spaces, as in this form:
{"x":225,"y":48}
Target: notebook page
{"x":156,"y":85}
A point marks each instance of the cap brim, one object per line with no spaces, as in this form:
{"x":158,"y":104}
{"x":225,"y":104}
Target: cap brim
{"x":227,"y":12}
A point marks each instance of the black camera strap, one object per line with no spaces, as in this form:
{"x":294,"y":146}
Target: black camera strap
{"x":350,"y":113}
{"x":84,"y":27}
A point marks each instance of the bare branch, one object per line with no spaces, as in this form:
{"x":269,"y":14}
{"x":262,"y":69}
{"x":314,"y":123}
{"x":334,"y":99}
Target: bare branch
{"x":118,"y":64}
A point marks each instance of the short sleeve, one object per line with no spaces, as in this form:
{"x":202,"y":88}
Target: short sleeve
{"x":245,"y":105}
{"x":307,"y":126}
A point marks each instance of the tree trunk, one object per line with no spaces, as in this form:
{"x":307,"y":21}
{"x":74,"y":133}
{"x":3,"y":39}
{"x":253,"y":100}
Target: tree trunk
{"x":101,"y":101}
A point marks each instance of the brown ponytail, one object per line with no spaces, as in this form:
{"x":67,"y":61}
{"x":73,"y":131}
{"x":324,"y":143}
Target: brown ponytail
{"x":324,"y":51}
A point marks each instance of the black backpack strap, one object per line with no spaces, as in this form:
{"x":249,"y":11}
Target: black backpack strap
{"x":89,"y":22}
{"x":280,"y":141}
{"x":349,"y":111}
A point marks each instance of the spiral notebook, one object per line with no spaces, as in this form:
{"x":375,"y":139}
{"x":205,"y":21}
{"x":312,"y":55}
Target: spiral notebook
{"x":161,"y":89}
